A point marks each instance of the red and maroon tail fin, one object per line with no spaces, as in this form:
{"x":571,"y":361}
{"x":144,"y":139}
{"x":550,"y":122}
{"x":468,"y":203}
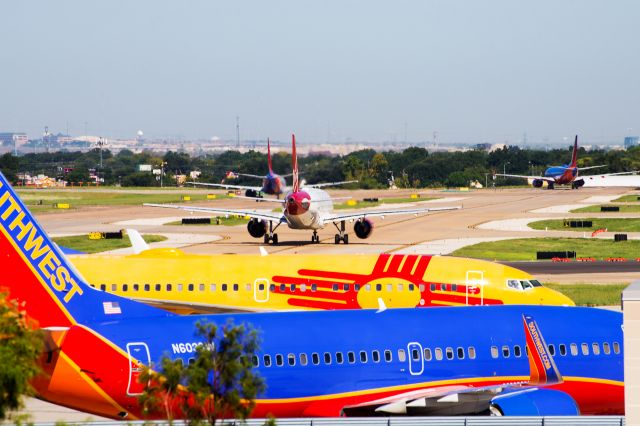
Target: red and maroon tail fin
{"x":543,"y":370}
{"x":294,"y":159}
{"x":269,"y":156}
{"x":574,"y":154}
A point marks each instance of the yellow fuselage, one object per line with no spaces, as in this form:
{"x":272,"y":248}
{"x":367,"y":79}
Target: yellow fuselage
{"x":204,"y":283}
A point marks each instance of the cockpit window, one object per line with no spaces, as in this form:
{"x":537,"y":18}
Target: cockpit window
{"x":523,"y":284}
{"x":535,"y":283}
{"x":526,"y":284}
{"x":514,"y":284}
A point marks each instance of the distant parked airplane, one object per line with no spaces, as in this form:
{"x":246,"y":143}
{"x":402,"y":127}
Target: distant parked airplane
{"x":308,"y":208}
{"x":567,"y":174}
{"x":449,"y":360}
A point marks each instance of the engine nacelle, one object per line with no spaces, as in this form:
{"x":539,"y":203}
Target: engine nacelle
{"x":534,"y":402}
{"x":252,"y":193}
{"x":257,"y":228}
{"x":537,"y":183}
{"x":578,"y":183}
{"x":363,"y":228}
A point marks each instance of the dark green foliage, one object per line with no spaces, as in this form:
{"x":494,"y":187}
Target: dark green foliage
{"x":220,"y":383}
{"x":20,"y":346}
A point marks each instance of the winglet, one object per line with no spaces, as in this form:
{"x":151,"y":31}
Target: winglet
{"x":294,"y":159}
{"x":269,"y":156}
{"x":543,"y":370}
{"x":574,"y":154}
{"x":137,"y":242}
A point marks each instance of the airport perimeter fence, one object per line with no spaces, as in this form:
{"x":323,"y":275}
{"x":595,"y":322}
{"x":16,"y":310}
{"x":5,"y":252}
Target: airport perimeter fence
{"x":401,"y":421}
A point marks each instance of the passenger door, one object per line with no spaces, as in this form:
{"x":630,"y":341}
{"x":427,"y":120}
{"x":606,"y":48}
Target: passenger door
{"x":475,"y":285}
{"x":138,"y":357}
{"x":261,"y":290}
{"x":415,"y":357}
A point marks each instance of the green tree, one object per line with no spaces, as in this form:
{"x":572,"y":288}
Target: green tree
{"x":20,"y":346}
{"x":219,"y":384}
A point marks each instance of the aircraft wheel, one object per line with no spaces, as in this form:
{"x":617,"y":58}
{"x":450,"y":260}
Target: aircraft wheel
{"x":345,"y":238}
{"x":275,"y":239}
{"x":266,"y":238}
{"x":337,"y":239}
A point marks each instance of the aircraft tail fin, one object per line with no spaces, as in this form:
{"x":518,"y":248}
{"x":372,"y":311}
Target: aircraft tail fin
{"x":294,"y":159}
{"x":40,"y":278}
{"x":574,"y":154}
{"x":543,"y":370}
{"x":269,"y":156}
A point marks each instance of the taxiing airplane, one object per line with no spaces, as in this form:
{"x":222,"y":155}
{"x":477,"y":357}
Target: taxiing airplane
{"x":308,"y":208}
{"x":567,"y":174}
{"x":192,"y":283}
{"x":461,"y":360}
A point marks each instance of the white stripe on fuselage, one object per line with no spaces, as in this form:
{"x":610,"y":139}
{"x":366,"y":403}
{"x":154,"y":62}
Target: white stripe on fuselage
{"x":319,"y":207}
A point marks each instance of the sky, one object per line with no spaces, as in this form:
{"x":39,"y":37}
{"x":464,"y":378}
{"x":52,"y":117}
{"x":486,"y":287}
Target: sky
{"x":334,"y":70}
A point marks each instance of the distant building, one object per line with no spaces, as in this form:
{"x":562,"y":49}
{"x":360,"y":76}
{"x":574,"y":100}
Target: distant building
{"x":11,"y":138}
{"x":631,"y":141}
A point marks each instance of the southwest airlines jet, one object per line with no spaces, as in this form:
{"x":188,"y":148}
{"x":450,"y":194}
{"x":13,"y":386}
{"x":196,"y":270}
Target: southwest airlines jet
{"x":192,"y":283}
{"x":308,"y":208}
{"x":567,"y":174}
{"x":507,"y":360}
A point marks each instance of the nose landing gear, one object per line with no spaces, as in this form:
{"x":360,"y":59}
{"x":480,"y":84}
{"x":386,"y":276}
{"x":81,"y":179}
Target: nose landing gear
{"x":315,"y":238}
{"x":342,"y":235}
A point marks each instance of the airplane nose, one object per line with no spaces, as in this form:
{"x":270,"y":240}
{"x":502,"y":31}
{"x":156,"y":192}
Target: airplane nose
{"x":552,"y":297}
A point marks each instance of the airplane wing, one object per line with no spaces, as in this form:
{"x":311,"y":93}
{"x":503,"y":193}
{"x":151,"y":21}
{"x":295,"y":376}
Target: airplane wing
{"x":252,"y":214}
{"x":225,"y":186}
{"x":322,"y":185}
{"x":250,"y":175}
{"x":381,"y":213}
{"x":590,"y":167}
{"x":546,"y":179}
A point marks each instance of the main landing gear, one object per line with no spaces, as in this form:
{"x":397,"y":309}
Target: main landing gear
{"x":271,"y":236}
{"x":342,"y":235}
{"x":315,"y":238}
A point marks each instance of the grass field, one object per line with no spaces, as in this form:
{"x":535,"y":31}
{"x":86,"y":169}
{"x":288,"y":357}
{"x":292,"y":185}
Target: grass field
{"x":526,"y":248}
{"x":591,"y":294}
{"x":613,"y":225}
{"x":225,"y":221}
{"x":84,"y":244}
{"x":360,"y":204}
{"x":628,"y":199}
{"x":43,"y":200}
{"x":624,"y":208}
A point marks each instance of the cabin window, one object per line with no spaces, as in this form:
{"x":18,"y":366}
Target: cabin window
{"x":415,"y":354}
{"x":351,"y":357}
{"x":255,"y":360}
{"x":552,"y":350}
{"x":606,"y":348}
{"x":292,"y":287}
{"x":303,"y":359}
{"x":147,"y":287}
{"x":125,"y":287}
{"x":526,"y":284}
{"x":247,"y":287}
{"x":180,"y":360}
{"x":283,"y":287}
{"x":212,"y":287}
{"x":367,"y":287}
{"x":505,"y":351}
{"x":114,"y":287}
{"x":201,"y":287}
{"x":411,"y":287}
{"x":303,"y":287}
{"x":585,"y":349}
{"x":363,"y":356}
{"x":190,"y":287}
{"x":179,"y":287}
{"x":535,"y":283}
{"x":402,"y":356}
{"x":291,"y":359}
{"x":472,"y":352}
{"x":272,"y":288}
{"x":192,"y":361}
{"x":327,"y":358}
{"x":103,"y":287}
{"x":517,"y":352}
{"x":427,"y":354}
{"x":514,"y":284}
{"x":335,"y":287}
{"x":494,"y":352}
{"x":563,"y":349}
{"x":168,"y":287}
{"x":158,"y":287}
{"x":375,"y":356}
{"x":460,"y":353}
{"x":236,"y":287}
{"x":346,"y":287}
{"x":389,"y":287}
{"x":432,"y":287}
{"x":339,"y":357}
{"x":388,"y":356}
{"x":443,"y":287}
{"x":454,"y":287}
{"x":136,"y":287}
{"x":400,"y":287}
{"x":315,"y":358}
{"x":223,"y":287}
{"x":438,"y":353}
{"x":266,"y":360}
{"x":595,"y":348}
{"x":616,"y":348}
{"x":449,"y":352}
{"x":421,"y":287}
{"x":314,"y":287}
{"x":378,"y":287}
{"x":356,"y":287}
{"x":574,"y":349}
{"x":279,"y":360}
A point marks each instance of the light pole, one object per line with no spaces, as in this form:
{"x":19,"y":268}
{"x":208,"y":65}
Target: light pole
{"x":101,"y":143}
{"x":504,"y":167}
{"x":164,"y":163}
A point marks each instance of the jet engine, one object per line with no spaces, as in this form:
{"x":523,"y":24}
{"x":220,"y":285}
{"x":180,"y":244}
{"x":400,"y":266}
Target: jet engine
{"x":363,"y":228}
{"x":578,"y":183}
{"x":534,"y":402}
{"x":257,"y":228}
{"x":252,"y":193}
{"x":537,"y":183}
